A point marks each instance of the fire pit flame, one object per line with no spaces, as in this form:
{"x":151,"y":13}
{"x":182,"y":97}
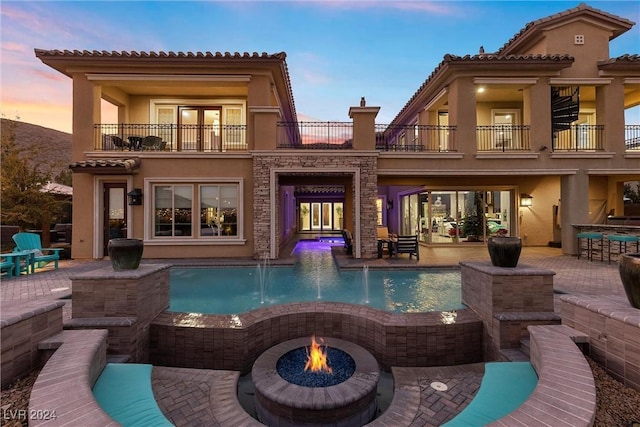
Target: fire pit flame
{"x":317,"y":358}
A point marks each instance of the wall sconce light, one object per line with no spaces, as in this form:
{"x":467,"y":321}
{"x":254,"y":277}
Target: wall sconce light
{"x":526,"y":200}
{"x":135,"y":197}
{"x":389,"y":204}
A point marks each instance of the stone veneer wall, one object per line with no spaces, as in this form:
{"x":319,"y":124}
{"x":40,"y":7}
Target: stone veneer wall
{"x":613,"y":327}
{"x":318,"y":164}
{"x":124,"y":302}
{"x":23,"y":326}
{"x":507,"y":300}
{"x":395,"y":339}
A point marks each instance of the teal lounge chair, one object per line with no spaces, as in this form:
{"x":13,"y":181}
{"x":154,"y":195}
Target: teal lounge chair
{"x":30,"y":242}
{"x":7,"y":265}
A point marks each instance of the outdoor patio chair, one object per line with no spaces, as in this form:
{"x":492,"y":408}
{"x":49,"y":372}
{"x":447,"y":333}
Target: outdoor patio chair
{"x":30,"y":242}
{"x":348,"y":241}
{"x":116,"y":141}
{"x":7,"y":265}
{"x":152,"y":143}
{"x":407,"y":245}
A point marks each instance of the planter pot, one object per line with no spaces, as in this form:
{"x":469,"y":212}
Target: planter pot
{"x":125,"y":254}
{"x":630,"y":276}
{"x":504,"y":251}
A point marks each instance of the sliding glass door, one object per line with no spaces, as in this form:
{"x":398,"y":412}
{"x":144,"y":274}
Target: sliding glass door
{"x":457,"y":216}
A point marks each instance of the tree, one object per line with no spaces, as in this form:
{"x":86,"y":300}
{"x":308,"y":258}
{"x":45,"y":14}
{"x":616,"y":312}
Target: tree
{"x":633,"y":195}
{"x":23,"y":203}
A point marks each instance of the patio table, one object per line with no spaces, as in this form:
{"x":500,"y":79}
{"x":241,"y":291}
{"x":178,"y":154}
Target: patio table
{"x":17,"y":257}
{"x":135,"y":143}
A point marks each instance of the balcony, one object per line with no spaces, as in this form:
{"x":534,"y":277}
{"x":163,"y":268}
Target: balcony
{"x":415,"y":138}
{"x":579,"y":138}
{"x":315,"y":135}
{"x":505,"y":138}
{"x":632,"y":137}
{"x":339,"y":136}
{"x":170,"y":137}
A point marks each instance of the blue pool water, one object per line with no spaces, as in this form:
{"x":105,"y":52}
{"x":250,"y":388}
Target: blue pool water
{"x":226,"y":290}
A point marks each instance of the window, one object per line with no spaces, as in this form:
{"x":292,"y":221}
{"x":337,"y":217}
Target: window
{"x":218,"y":205}
{"x":218,"y":210}
{"x":173,"y":206}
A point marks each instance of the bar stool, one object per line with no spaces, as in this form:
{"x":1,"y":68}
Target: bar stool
{"x":622,"y":239}
{"x":590,"y":237}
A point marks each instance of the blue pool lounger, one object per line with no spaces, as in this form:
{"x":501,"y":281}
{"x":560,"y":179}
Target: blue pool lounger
{"x":123,"y":390}
{"x":504,"y":387}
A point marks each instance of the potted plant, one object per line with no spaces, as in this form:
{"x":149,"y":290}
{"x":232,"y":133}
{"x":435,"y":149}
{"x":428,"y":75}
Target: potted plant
{"x":504,"y":251}
{"x":125,"y":254}
{"x":629,"y":267}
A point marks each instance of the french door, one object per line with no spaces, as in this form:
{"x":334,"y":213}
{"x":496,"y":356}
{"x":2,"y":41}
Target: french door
{"x":321,"y":216}
{"x":115,"y":212}
{"x":200,"y":129}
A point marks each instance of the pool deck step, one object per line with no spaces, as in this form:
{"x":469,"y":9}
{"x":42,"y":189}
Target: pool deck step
{"x":118,"y":358}
{"x":513,"y":355}
{"x":525,"y":346}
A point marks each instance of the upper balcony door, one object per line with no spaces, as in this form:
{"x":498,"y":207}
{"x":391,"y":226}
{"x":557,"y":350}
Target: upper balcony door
{"x":199,"y":128}
{"x":504,"y":135}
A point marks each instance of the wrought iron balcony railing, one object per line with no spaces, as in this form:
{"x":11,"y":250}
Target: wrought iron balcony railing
{"x":579,"y":138}
{"x":339,"y":135}
{"x":632,"y":137}
{"x":503,"y":138}
{"x":415,"y":138}
{"x":315,"y":135}
{"x":170,"y":137}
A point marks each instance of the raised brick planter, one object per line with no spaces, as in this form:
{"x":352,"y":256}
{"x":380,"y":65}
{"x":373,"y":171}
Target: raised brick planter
{"x":566,"y":392}
{"x":124,"y":302}
{"x":613,"y":327}
{"x":23,"y":326}
{"x":395,"y":339}
{"x":61,"y":395}
{"x":507,"y":300}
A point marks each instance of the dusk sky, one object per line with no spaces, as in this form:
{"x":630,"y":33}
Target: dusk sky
{"x":337,"y":51}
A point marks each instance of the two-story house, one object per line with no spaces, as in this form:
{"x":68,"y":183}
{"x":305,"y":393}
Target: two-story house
{"x":207,"y":158}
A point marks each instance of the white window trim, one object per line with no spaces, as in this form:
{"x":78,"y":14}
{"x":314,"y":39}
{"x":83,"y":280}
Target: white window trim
{"x":98,"y":211}
{"x":194,"y":240}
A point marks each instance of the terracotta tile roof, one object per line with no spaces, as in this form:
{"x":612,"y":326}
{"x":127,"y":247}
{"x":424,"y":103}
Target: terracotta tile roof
{"x":624,"y":62}
{"x":515,"y":60}
{"x":161,"y":54}
{"x":504,"y":56}
{"x":186,"y":56}
{"x":582,"y":9}
{"x":105,"y":166}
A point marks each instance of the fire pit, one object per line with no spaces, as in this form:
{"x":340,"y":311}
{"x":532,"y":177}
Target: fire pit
{"x":343,"y":390}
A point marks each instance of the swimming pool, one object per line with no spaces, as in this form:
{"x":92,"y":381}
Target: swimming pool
{"x":314,"y":277}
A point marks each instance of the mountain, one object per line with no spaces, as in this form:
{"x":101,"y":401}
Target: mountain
{"x":50,"y":149}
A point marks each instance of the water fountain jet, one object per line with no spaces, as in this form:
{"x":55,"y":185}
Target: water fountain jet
{"x":365,"y":282}
{"x":263,"y":275}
